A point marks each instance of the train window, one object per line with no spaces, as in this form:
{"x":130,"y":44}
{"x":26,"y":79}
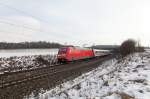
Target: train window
{"x":63,"y":50}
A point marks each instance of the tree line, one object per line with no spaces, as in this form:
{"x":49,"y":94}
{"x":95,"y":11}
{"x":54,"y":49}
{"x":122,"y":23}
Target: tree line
{"x":29,"y":45}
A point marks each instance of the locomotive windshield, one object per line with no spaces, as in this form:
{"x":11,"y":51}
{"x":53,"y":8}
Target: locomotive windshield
{"x":62,"y":50}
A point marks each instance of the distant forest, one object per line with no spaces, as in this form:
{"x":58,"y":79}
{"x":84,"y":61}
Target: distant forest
{"x":29,"y":45}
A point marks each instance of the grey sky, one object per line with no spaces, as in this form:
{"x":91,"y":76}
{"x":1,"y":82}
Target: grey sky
{"x":75,"y":21}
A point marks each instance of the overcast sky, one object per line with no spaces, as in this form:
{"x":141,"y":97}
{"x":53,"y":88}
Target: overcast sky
{"x":75,"y":21}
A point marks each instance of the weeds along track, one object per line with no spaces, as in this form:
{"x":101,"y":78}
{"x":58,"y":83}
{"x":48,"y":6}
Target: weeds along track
{"x":15,"y":78}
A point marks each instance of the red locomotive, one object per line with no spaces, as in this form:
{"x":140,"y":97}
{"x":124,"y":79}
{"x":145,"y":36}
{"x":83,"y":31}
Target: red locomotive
{"x":71,"y":53}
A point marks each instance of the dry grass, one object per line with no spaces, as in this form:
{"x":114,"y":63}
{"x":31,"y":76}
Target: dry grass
{"x":121,"y":94}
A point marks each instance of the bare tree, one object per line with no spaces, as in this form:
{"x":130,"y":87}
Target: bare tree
{"x":128,"y":47}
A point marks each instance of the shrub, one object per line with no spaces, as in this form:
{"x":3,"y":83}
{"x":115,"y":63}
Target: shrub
{"x":127,"y":47}
{"x":41,"y":60}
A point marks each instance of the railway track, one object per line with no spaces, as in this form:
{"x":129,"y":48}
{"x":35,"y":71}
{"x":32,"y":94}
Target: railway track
{"x":15,"y":78}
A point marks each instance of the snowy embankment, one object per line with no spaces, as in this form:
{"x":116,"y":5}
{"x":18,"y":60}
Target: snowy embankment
{"x":123,"y":79}
{"x":16,"y":63}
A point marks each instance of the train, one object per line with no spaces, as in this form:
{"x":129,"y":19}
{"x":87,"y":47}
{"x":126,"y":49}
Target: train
{"x":72,"y":53}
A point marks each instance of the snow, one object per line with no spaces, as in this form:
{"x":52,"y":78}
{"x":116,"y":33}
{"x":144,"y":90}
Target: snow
{"x":23,"y":59}
{"x":27,"y":52}
{"x":128,"y":78}
{"x":18,"y":63}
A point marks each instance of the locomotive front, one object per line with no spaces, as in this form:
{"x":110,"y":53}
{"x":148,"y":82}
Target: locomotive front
{"x":62,"y":53}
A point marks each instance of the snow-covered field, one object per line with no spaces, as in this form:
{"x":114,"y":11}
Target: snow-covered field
{"x":23,"y":59}
{"x":123,"y":79}
{"x":27,"y":52}
{"x":18,"y":63}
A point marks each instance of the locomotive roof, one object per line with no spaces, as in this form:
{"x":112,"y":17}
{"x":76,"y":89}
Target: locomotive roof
{"x":78,"y":47}
{"x":68,"y":46}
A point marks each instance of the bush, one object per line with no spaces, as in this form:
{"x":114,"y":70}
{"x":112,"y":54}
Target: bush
{"x":42,"y":61}
{"x":127,"y":47}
